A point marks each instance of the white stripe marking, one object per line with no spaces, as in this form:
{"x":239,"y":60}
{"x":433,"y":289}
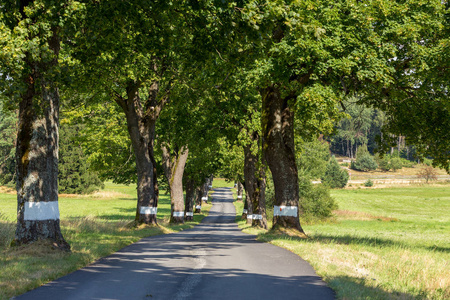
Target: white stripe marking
{"x":257,"y":217}
{"x":205,"y":198}
{"x":245,"y":211}
{"x":40,"y":211}
{"x":189,"y":214}
{"x":239,"y":197}
{"x":285,"y":211}
{"x":178,"y":213}
{"x":198,"y":207}
{"x":148,"y":210}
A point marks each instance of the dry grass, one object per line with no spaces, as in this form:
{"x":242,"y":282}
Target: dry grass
{"x":401,"y":172}
{"x":383,"y":244}
{"x":362,"y":216}
{"x":94,"y":225}
{"x":7,"y":190}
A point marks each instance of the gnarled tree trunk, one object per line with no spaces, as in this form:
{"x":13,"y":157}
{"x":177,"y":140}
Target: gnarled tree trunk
{"x":141,"y":123}
{"x":239,"y":190}
{"x":198,"y":199}
{"x":255,"y":185}
{"x":279,"y":152}
{"x":190,"y":199}
{"x":37,"y":155}
{"x":174,"y":169}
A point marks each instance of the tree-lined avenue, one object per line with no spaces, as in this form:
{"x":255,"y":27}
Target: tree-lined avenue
{"x":215,"y":260}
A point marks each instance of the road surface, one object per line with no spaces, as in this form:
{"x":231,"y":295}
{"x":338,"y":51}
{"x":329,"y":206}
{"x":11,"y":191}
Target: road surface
{"x":214,"y":260}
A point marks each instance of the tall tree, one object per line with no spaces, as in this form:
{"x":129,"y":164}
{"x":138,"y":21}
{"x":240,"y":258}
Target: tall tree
{"x":30,"y":71}
{"x":310,"y":56}
{"x":174,"y":161}
{"x":134,"y":57}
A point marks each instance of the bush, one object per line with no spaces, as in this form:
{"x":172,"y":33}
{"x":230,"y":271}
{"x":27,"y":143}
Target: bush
{"x":396,"y":163}
{"x":428,"y":173}
{"x":384,"y":164}
{"x":334,"y":176}
{"x":315,"y":201}
{"x":364,"y":161}
{"x":368,"y":183}
{"x":427,"y":161}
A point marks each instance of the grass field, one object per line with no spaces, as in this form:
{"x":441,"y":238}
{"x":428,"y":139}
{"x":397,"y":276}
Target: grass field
{"x":95,"y":226}
{"x":383,"y":244}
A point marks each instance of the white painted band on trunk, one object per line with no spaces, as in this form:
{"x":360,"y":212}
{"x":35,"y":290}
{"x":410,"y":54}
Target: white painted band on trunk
{"x":205,"y":198}
{"x":178,"y":213}
{"x":285,"y":211}
{"x":239,"y":197}
{"x":250,"y":217}
{"x":148,"y":210}
{"x":257,"y":217}
{"x":40,"y":211}
{"x":210,"y":186}
{"x":245,"y":211}
{"x":189,"y":214}
{"x":198,"y":207}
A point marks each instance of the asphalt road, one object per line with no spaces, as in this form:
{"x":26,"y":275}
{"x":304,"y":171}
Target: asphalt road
{"x":215,"y":260}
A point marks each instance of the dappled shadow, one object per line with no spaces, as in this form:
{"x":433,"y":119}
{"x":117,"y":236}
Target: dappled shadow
{"x":365,"y":288}
{"x":165,"y":267}
{"x":352,"y":240}
{"x":213,"y":260}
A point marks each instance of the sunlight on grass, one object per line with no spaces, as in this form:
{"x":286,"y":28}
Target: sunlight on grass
{"x":94,"y":225}
{"x":383,"y":244}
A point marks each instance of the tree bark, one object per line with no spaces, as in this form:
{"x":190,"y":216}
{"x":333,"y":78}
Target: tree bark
{"x":245,"y":211}
{"x":279,"y":152}
{"x":141,"y":128}
{"x":239,"y":191}
{"x":198,"y":200}
{"x":37,"y":155}
{"x":205,"y":190}
{"x":255,"y":186}
{"x":190,"y":199}
{"x":174,"y":167}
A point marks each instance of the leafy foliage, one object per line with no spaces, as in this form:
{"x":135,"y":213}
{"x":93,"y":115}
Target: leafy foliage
{"x":7,"y":146}
{"x":312,"y":158}
{"x":368,"y":183}
{"x":74,"y":176}
{"x":364,"y":161}
{"x":315,"y":200}
{"x":335,"y":176}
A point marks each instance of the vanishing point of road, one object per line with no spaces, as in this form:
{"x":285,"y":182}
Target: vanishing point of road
{"x":214,"y":260}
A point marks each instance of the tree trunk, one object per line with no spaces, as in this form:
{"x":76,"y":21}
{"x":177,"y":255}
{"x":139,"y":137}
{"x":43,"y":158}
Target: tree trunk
{"x":245,"y":211}
{"x":205,"y":191}
{"x":240,"y":189}
{"x":174,"y":167}
{"x":198,"y":199}
{"x":255,"y":186}
{"x":37,"y":156}
{"x":190,"y":199}
{"x":279,"y":152}
{"x":141,"y":128}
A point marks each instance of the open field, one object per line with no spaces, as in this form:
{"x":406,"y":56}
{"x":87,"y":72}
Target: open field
{"x":388,"y":243}
{"x":95,"y":226}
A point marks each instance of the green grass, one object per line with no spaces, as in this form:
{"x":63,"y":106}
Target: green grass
{"x":95,"y":226}
{"x":221,"y":182}
{"x":383,"y":244}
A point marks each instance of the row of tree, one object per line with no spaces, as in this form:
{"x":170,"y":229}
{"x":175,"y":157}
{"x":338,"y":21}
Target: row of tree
{"x":259,"y":74}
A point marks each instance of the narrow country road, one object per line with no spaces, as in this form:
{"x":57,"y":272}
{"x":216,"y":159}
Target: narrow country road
{"x":215,"y":260}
